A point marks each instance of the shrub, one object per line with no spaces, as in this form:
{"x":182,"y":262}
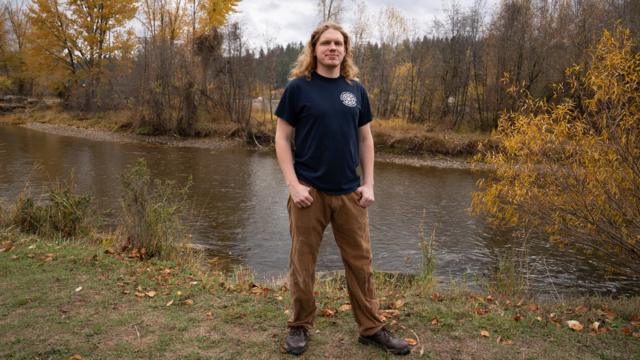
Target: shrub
{"x":65,"y":213}
{"x":151,"y":212}
{"x":569,"y":166}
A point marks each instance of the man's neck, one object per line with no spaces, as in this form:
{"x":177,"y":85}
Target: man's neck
{"x":328,"y":72}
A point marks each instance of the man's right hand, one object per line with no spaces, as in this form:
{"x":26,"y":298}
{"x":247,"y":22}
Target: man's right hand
{"x":300,"y":195}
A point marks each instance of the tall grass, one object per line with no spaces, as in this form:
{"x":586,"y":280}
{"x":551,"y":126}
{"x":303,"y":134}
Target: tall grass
{"x":152,"y":214}
{"x":428,"y":267}
{"x":64,"y":213}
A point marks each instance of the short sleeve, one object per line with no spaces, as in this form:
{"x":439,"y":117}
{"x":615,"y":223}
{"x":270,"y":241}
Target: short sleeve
{"x":287,"y":105}
{"x":365,"y":116}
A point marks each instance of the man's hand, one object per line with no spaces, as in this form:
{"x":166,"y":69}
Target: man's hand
{"x":300,"y":195}
{"x":366,"y":196}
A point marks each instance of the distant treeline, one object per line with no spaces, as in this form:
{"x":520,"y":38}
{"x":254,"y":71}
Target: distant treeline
{"x":191,"y":66}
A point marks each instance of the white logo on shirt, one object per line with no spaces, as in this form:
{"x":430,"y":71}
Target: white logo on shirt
{"x":348,"y":99}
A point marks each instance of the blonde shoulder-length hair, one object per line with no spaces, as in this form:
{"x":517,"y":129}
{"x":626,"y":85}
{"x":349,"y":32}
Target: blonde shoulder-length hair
{"x":307,"y":61}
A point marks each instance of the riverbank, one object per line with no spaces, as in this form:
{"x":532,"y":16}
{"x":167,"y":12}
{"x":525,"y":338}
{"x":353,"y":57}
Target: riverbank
{"x":62,"y":299}
{"x":396,"y":141}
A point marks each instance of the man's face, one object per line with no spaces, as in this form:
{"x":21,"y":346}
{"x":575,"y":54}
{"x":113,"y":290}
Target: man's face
{"x":330,"y":49}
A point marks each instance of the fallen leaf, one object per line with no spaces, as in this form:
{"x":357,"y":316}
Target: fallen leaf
{"x":166,"y":271}
{"x":595,"y":326}
{"x":626,"y":330}
{"x":636,"y":335}
{"x":484,"y":333}
{"x":411,"y":342}
{"x":126,"y":291}
{"x":109,"y":251}
{"x":481,"y":311}
{"x":79,"y":288}
{"x":140,"y":294}
{"x":170,"y":303}
{"x":575,"y":325}
{"x":581,"y":309}
{"x":344,"y":307}
{"x":397,"y":304}
{"x":435,"y":321}
{"x":6,"y":246}
{"x":610,"y":315}
{"x":209,"y":315}
{"x":489,"y":298}
{"x":326,"y":312}
{"x":188,"y":302}
{"x":539,"y":318}
{"x":437,"y":297}
{"x":390,"y":313}
{"x":139,"y":288}
{"x":517,"y":317}
{"x":76,"y":357}
{"x":533,"y":307}
{"x":150,"y":293}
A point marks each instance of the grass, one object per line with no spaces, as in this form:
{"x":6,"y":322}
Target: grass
{"x":59,"y":299}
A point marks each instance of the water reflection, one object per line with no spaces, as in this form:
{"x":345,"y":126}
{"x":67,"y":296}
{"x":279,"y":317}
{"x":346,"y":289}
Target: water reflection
{"x":239,"y":202}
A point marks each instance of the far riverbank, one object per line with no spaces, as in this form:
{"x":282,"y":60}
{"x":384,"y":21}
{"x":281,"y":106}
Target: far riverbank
{"x":397,"y":143}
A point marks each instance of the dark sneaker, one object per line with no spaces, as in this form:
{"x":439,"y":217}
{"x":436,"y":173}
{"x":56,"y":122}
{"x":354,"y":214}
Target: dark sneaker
{"x":384,"y":339}
{"x":296,"y":342}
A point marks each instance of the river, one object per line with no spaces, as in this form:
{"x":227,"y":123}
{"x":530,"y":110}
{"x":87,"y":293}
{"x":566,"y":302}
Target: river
{"x":239,"y":202}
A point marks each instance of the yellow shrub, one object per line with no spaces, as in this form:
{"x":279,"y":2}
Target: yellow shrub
{"x":571,"y":165}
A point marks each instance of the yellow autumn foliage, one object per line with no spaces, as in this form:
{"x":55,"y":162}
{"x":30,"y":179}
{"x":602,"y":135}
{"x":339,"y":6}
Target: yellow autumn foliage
{"x":571,"y":165}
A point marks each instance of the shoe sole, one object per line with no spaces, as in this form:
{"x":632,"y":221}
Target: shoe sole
{"x":296,"y":352}
{"x":365,"y":341}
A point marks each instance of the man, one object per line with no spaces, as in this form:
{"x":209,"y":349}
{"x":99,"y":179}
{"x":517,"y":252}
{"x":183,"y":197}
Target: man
{"x":326,"y":113}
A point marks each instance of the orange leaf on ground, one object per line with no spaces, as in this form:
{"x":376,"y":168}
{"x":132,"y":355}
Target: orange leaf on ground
{"x":533,"y":307}
{"x":390,"y":313}
{"x":484,"y":333}
{"x":575,"y":325}
{"x":397,"y":304}
{"x":626,"y":330}
{"x":481,"y":311}
{"x":517,"y":317}
{"x":344,"y":307}
{"x":188,"y":302}
{"x":411,"y":342}
{"x":150,"y":293}
{"x":581,"y":309}
{"x":435,"y":321}
{"x":6,"y":246}
{"x":76,"y":357}
{"x":326,"y":312}
{"x":489,"y":298}
{"x":140,"y":294}
{"x":209,"y":315}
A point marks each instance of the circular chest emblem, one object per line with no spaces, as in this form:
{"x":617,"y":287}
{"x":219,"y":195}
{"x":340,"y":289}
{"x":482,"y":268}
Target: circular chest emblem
{"x":348,"y":99}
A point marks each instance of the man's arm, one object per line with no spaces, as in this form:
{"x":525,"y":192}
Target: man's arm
{"x":365,"y":140}
{"x":299,"y":193}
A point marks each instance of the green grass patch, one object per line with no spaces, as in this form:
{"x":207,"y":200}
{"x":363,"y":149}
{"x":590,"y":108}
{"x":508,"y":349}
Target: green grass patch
{"x":58,"y":299}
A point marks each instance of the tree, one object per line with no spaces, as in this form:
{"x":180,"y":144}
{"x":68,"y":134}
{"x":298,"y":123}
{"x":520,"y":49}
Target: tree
{"x":330,"y":10}
{"x":571,"y":166}
{"x":81,"y":36}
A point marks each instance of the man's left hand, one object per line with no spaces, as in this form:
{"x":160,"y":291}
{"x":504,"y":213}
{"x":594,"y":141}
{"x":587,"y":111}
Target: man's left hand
{"x":366,"y":196}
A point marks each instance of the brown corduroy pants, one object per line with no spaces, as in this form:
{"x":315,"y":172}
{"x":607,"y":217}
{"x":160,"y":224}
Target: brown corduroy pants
{"x":350,"y":225}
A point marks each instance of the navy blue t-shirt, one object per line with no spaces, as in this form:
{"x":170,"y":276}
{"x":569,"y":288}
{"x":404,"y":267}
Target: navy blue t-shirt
{"x":326,"y":114}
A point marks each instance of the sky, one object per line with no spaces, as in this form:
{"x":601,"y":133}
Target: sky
{"x":281,"y":22}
